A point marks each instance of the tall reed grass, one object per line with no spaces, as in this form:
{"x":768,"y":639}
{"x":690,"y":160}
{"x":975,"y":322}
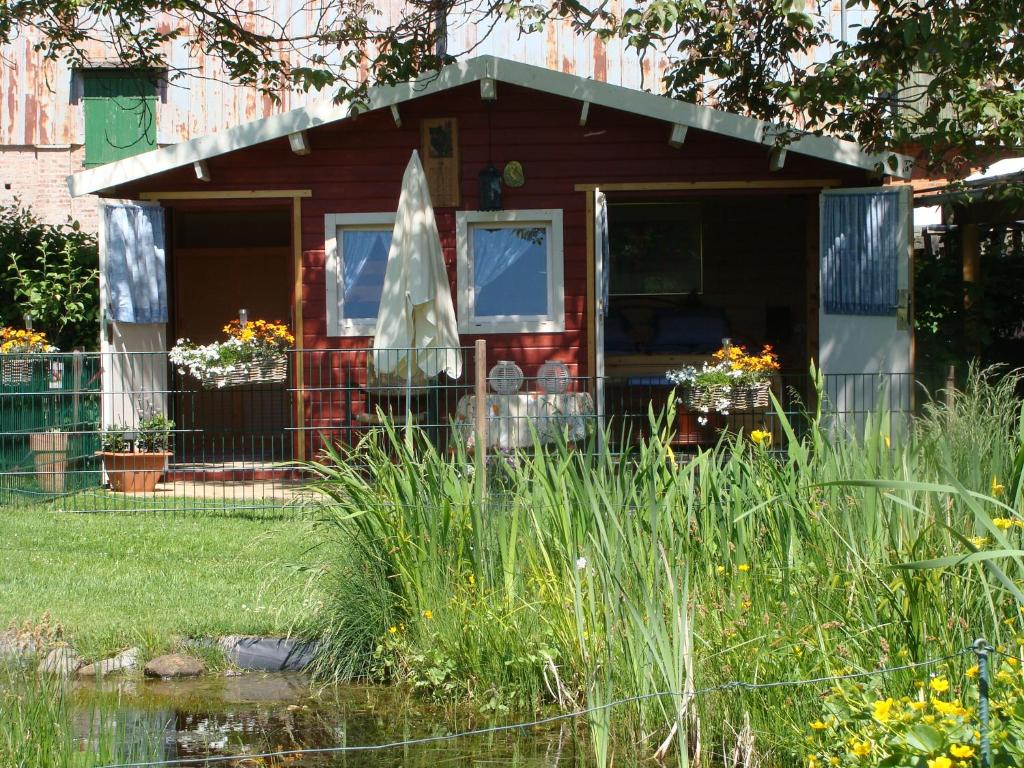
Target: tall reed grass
{"x":41,"y":726}
{"x":588,"y":577}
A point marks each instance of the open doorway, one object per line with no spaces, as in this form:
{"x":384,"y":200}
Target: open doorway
{"x":222,"y":261}
{"x":682,"y":273}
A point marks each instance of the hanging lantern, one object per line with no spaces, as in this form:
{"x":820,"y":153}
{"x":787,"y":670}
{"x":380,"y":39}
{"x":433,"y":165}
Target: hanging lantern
{"x":490,"y":189}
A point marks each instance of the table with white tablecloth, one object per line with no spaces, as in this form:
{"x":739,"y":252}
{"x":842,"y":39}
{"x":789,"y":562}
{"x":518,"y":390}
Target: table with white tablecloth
{"x":513,"y":420}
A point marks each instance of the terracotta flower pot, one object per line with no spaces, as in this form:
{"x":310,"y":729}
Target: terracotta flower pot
{"x":50,"y":456}
{"x":134,"y":472}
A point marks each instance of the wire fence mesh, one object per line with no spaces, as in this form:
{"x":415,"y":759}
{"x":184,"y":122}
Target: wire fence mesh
{"x":72,"y":424}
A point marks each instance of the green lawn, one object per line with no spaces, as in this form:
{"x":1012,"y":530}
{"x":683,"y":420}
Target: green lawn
{"x":115,"y":580}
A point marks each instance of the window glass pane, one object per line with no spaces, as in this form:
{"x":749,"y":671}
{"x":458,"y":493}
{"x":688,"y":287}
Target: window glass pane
{"x":364,"y":253}
{"x":655,"y":248}
{"x":510,"y":271}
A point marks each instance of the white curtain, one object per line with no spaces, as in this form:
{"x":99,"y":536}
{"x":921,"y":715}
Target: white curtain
{"x":505,"y":247}
{"x":357,"y":247}
{"x":134,"y":263}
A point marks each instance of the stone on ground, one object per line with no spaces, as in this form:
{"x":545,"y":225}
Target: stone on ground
{"x":61,"y":661}
{"x":122,"y":662}
{"x":174,"y":665}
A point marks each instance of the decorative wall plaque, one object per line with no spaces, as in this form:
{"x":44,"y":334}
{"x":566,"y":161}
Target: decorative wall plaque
{"x":440,"y":154}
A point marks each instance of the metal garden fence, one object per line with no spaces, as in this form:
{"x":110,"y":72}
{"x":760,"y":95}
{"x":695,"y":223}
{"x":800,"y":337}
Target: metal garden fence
{"x":238,"y":449}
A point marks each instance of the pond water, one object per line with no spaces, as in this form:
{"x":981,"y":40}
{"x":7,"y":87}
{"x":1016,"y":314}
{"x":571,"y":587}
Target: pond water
{"x":234,"y":719}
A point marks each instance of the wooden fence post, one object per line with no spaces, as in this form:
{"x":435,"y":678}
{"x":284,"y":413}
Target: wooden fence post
{"x":950,"y":392}
{"x":480,"y":413}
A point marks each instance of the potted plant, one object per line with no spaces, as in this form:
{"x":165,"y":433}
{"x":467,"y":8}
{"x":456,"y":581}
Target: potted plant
{"x":16,"y":346}
{"x":733,"y":380}
{"x":255,"y":352}
{"x":134,"y":462}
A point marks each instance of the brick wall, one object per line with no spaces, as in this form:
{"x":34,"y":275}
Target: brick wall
{"x":38,"y":176}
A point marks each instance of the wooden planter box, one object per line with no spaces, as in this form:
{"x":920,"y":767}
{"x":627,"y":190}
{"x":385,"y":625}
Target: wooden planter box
{"x":134,"y":472}
{"x":50,"y":456}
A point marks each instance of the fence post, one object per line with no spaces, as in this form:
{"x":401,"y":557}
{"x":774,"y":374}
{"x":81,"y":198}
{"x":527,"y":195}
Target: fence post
{"x":982,"y":650}
{"x":950,"y":391}
{"x":480,"y":418}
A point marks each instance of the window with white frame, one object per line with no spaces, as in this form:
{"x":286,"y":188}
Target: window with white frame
{"x":356,"y":246}
{"x":510,"y":271}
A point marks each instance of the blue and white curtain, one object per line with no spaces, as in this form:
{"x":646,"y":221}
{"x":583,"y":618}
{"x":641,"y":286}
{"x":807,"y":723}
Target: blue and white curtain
{"x":861,"y":246}
{"x":135,"y":263}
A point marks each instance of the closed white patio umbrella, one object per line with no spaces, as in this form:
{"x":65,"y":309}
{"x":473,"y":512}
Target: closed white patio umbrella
{"x":417,"y":333}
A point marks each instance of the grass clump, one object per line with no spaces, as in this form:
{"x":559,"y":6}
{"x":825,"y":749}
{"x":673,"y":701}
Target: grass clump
{"x":586,"y":577}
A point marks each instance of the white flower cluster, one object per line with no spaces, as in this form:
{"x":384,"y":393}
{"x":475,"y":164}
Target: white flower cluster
{"x":206,"y":360}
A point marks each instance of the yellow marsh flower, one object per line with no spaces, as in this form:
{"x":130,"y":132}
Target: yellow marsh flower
{"x":961,"y":751}
{"x":720,"y":570}
{"x":940,"y":762}
{"x":472,"y":580}
{"x":428,"y":615}
{"x":812,"y":761}
{"x":883,"y":710}
{"x":939,"y":684}
{"x":918,"y":705}
{"x":761,"y":437}
{"x":834,"y":760}
{"x":392,"y":630}
{"x":861,"y":748}
{"x":997,"y":487}
{"x":948,"y":707}
{"x":979,"y":541}
{"x":819,"y":726}
{"x":972,"y":672}
{"x":743,"y":568}
{"x":1002,"y":523}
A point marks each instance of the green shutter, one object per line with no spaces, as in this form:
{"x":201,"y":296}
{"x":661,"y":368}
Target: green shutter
{"x":120,"y":115}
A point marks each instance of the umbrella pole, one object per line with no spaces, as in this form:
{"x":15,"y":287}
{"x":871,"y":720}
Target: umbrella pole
{"x":408,"y":398}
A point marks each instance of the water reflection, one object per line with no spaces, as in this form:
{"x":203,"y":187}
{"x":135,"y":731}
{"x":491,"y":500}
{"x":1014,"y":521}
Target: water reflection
{"x":240,"y":717}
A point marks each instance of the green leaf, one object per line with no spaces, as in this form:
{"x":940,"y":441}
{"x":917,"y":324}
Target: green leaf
{"x":923,"y":738}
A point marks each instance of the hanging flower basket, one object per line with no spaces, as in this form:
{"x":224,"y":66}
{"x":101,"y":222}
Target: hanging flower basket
{"x":747,"y":398}
{"x":733,"y":380}
{"x":253,"y":354}
{"x":15,"y":370}
{"x":15,"y":345}
{"x":270,"y":370}
{"x":706,"y":398}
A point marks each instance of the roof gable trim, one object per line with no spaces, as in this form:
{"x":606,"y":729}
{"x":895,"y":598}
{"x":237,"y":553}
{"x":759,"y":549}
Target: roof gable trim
{"x":501,"y":70}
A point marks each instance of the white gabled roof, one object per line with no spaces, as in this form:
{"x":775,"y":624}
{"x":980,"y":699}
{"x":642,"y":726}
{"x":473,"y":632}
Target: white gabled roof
{"x":503,"y":71}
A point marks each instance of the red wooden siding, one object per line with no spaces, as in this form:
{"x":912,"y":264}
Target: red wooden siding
{"x":357,"y":166}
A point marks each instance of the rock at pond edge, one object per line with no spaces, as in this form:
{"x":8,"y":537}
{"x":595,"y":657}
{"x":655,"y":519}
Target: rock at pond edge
{"x":122,"y":662}
{"x":61,"y":661}
{"x":174,"y":665}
